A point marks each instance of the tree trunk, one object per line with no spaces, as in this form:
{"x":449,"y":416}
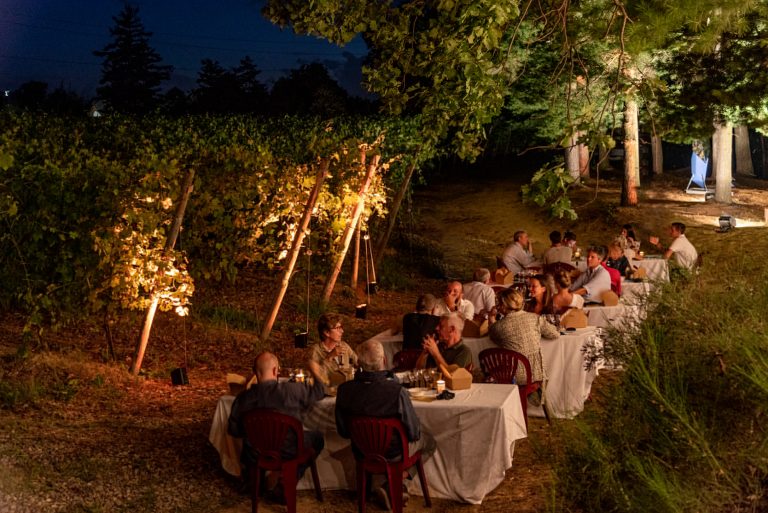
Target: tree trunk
{"x":583,"y":158}
{"x":170,"y":242}
{"x":631,"y":155}
{"x":293,"y":255}
{"x":572,"y":157}
{"x":722,"y":154}
{"x":657,"y":154}
{"x":743,"y":154}
{"x":330,"y":282}
{"x":394,"y":210}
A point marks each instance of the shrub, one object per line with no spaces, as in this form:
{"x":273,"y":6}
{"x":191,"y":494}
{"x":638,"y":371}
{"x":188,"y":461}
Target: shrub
{"x":683,"y":428}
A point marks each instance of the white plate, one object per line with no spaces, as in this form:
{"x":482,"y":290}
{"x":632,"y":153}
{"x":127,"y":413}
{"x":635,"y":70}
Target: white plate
{"x":421,"y":392}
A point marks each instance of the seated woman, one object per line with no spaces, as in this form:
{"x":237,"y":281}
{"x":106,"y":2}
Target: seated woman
{"x":564,"y":298}
{"x":541,"y":288}
{"x":521,"y":331}
{"x":336,"y":359}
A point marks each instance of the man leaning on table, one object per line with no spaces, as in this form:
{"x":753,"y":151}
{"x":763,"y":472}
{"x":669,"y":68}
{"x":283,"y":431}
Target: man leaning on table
{"x":681,"y":251}
{"x":454,"y":351}
{"x":453,"y":301}
{"x":374,"y":394}
{"x":592,"y":283}
{"x":288,"y":398}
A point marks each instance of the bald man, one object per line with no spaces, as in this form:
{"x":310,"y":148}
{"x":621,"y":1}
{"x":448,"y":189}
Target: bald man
{"x":289,"y":398}
{"x":453,"y":301}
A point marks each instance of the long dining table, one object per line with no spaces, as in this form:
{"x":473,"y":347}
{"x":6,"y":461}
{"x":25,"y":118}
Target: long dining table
{"x":569,"y":368}
{"x":475,"y":433}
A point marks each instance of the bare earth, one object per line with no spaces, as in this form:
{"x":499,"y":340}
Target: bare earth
{"x":98,"y":440}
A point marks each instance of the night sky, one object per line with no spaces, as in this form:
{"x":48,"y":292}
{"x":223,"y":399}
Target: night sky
{"x":52,"y":41}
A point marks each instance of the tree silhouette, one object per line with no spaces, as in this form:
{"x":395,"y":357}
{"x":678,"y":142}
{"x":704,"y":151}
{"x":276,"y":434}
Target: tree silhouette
{"x":228,"y":91}
{"x":131,"y":71}
{"x":309,"y":90}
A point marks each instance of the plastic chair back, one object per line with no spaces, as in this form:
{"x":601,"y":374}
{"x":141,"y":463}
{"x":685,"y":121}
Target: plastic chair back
{"x":267,"y":430}
{"x":501,"y":365}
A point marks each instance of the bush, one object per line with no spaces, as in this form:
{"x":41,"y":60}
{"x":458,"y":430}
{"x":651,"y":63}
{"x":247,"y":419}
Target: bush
{"x":683,"y":428}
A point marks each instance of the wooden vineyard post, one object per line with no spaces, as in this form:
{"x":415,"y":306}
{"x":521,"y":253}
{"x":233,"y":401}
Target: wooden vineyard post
{"x":356,"y":257}
{"x":293,"y":255}
{"x":349,"y":230}
{"x":170,"y":242}
{"x":394,"y":208}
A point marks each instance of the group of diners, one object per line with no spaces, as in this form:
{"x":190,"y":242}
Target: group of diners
{"x":518,"y":318}
{"x":366,"y":388}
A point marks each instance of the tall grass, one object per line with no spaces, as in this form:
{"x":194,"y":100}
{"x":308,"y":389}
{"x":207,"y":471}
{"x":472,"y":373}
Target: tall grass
{"x":683,"y":428}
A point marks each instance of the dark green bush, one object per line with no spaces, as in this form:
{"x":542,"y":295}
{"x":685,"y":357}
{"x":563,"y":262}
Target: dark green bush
{"x":683,"y":428}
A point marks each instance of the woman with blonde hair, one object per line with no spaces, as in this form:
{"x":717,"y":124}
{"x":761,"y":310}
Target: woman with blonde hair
{"x":521,"y":331}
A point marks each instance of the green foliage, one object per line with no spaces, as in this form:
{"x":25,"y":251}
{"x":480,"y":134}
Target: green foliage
{"x":100,"y":195}
{"x":682,"y":428}
{"x":447,"y":60}
{"x":549,"y":188}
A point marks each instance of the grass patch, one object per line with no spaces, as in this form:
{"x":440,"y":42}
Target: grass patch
{"x":229,"y":317}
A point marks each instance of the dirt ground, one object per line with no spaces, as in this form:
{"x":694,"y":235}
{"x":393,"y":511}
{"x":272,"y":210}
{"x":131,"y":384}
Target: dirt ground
{"x":96,"y":439}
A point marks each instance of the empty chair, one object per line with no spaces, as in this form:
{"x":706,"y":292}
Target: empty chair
{"x":372,"y":437}
{"x":501,"y":365}
{"x":266,"y":431}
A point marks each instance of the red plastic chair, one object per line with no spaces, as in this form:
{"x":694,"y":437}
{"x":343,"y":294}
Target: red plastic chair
{"x":372,"y":436}
{"x":405,"y":359}
{"x":266,"y":430}
{"x":500,"y":366}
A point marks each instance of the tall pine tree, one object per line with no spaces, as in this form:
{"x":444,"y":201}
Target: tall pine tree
{"x":131,"y":71}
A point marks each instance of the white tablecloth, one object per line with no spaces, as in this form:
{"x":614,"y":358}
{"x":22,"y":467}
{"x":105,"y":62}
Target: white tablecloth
{"x":569,"y":382}
{"x":622,"y":316}
{"x":475,"y":434}
{"x":656,"y":268}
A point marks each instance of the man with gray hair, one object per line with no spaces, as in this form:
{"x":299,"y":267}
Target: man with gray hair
{"x":373,"y":393}
{"x":479,"y":293}
{"x":519,"y":254}
{"x":453,"y":350}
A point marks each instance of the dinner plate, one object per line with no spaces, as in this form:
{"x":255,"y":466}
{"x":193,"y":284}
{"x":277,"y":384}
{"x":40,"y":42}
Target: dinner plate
{"x":421,"y":392}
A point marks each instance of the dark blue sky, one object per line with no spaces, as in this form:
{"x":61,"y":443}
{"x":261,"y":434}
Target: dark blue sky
{"x":53,"y":41}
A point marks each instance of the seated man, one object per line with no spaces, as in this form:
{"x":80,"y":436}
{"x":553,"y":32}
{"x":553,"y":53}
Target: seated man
{"x":569,"y":239}
{"x":595,"y":280}
{"x":453,"y":301}
{"x":558,"y":252}
{"x":454,"y":352}
{"x":335,"y":357}
{"x":374,"y":394}
{"x":479,"y":293}
{"x":418,"y":324}
{"x":518,"y":255}
{"x":289,"y":398}
{"x":681,"y":251}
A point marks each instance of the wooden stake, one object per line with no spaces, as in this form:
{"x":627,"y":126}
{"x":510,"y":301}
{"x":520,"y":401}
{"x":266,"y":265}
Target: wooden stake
{"x":293,"y":255}
{"x":356,"y":259}
{"x":394,"y":209}
{"x":349,"y":230}
{"x":170,"y":242}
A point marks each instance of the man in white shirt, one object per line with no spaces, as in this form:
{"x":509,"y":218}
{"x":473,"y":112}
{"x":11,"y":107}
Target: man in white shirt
{"x":557,"y":252}
{"x":452,"y":301}
{"x":595,"y":280}
{"x":479,"y":293}
{"x":518,"y":255}
{"x":681,"y":251}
